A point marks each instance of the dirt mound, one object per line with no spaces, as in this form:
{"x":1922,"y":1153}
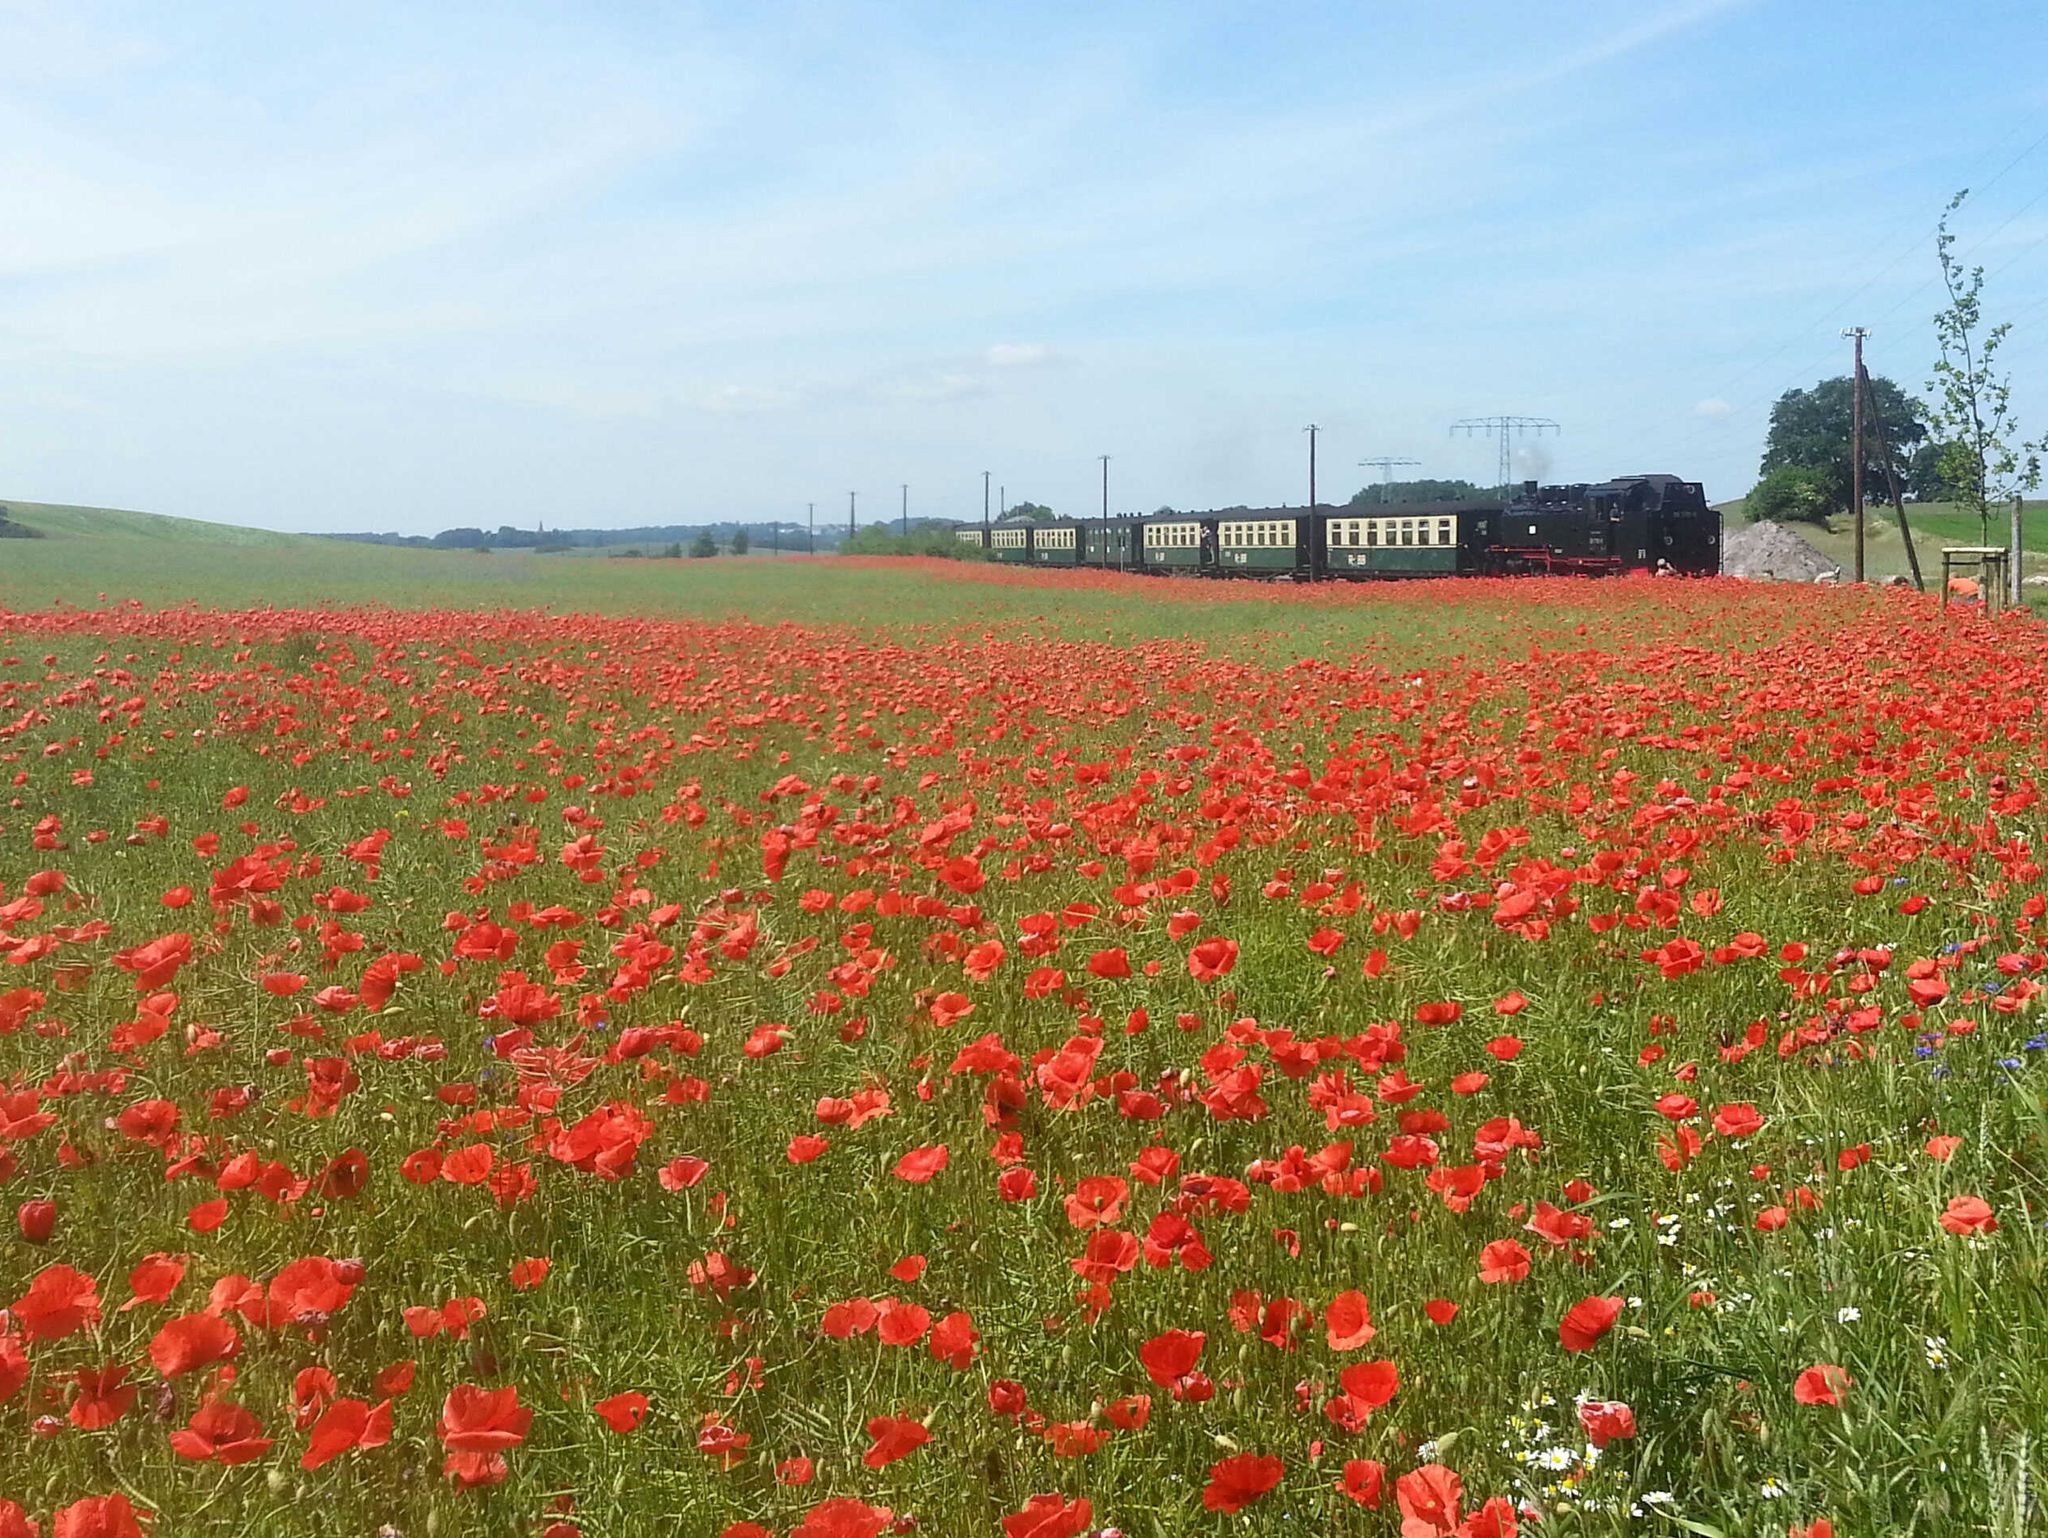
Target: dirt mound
{"x":1770,"y":552}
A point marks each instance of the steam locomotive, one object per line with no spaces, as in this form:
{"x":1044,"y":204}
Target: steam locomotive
{"x":1635,"y":523}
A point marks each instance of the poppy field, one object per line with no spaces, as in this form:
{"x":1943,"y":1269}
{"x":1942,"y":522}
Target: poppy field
{"x":1583,"y":1072}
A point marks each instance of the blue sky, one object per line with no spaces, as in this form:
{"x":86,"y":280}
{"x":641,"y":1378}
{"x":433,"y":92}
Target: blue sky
{"x":404,"y":267}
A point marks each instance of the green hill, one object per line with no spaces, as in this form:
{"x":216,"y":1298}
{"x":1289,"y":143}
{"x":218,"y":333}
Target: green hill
{"x":56,"y":520}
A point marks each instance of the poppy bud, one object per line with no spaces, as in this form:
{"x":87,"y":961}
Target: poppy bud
{"x":348,"y":1272}
{"x":37,"y":1220}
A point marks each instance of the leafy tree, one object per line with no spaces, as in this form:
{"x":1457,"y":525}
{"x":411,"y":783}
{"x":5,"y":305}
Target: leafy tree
{"x":1815,"y":430}
{"x":1790,"y":494}
{"x":739,"y":542}
{"x":1921,"y":475}
{"x":1984,"y":460}
{"x":675,"y":550}
{"x":704,"y":548}
{"x":1037,"y":512}
{"x":933,"y":540}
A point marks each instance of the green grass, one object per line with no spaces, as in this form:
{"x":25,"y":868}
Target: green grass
{"x":1933,"y":525}
{"x":1784,"y":762}
{"x":64,"y":523}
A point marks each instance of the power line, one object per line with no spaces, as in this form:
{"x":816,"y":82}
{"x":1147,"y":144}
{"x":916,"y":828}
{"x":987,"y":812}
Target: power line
{"x":1385,"y":464}
{"x":1505,"y":428}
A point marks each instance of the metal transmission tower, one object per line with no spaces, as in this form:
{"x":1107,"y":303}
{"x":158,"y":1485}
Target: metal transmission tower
{"x":1505,"y":428}
{"x":1385,"y":465}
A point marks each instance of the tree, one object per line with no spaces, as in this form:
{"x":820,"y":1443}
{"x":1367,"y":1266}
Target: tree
{"x":1790,"y":494}
{"x":1815,"y":430}
{"x":1037,"y":512}
{"x":1984,"y":460}
{"x":1921,"y":475}
{"x":1419,"y":491}
{"x":739,"y":542}
{"x":705,"y":547}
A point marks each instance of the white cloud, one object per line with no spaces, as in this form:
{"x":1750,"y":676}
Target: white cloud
{"x":748,"y":398}
{"x":939,"y":387}
{"x":1018,"y":354}
{"x":1713,"y":407}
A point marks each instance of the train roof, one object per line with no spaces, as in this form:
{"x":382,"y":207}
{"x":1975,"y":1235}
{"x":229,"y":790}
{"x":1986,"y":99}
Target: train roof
{"x":1322,"y":510}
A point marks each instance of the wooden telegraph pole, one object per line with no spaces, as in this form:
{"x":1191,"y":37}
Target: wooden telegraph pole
{"x":1856,"y":463}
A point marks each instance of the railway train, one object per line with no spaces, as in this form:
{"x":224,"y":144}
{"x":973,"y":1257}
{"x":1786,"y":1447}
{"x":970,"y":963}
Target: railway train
{"x":1634,"y":523}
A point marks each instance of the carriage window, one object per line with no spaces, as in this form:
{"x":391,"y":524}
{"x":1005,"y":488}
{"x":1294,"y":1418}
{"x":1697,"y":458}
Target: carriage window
{"x":1372,"y":534}
{"x":1443,"y":531}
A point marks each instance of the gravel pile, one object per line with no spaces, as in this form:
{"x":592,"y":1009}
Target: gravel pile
{"x":1770,"y":552}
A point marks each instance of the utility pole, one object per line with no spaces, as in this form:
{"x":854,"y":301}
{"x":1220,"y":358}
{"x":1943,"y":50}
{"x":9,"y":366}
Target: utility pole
{"x":1311,"y":430}
{"x":1856,"y":462}
{"x":775,"y":535}
{"x":984,"y":507}
{"x":1002,"y":501}
{"x":1385,"y":464}
{"x":1504,"y":428}
{"x":1105,"y":483}
{"x":849,"y":513}
{"x":905,"y":525}
{"x":811,"y":538}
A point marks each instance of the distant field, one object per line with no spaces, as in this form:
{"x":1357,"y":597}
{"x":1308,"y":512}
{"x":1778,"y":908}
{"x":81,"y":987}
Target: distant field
{"x":55,"y":520}
{"x":90,"y":559}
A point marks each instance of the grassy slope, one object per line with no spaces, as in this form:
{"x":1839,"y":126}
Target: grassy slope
{"x":59,"y":521}
{"x":1934,"y":525}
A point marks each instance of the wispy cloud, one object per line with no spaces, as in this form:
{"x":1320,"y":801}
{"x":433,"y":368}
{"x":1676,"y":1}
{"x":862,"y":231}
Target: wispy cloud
{"x":357,"y":261}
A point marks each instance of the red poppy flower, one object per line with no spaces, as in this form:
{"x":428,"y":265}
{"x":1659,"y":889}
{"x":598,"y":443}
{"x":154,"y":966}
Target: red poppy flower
{"x":220,"y":1432}
{"x":1050,"y":1516}
{"x":1362,"y":1483}
{"x":919,"y":1165}
{"x":1429,"y":1499}
{"x":1212,"y":960}
{"x":844,"y":1517}
{"x":480,"y":1420}
{"x":59,"y":1302}
{"x":1235,"y":1482}
{"x":103,"y":1397}
{"x":1967,"y":1216}
{"x":1504,"y":1260}
{"x":1348,"y":1322}
{"x":1606,"y":1421}
{"x":893,"y":1437}
{"x":622,"y":1412}
{"x":1738,"y":1121}
{"x":97,"y":1516}
{"x":1821,"y":1385}
{"x":344,"y":1425}
{"x":1586,"y":1322}
{"x":529,"y":1274}
{"x":193,"y":1341}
